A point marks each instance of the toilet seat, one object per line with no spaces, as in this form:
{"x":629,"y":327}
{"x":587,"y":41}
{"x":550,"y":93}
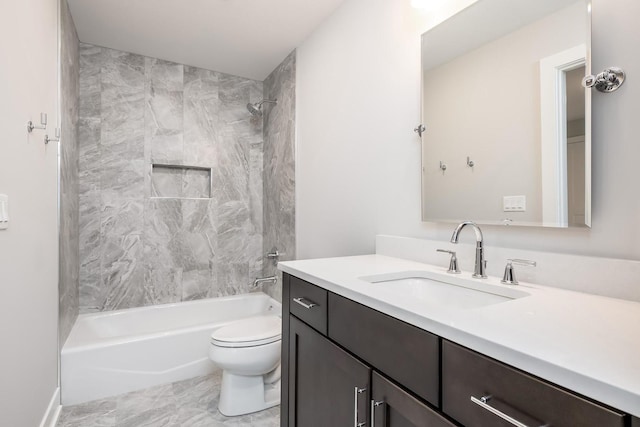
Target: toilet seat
{"x":251,"y":332}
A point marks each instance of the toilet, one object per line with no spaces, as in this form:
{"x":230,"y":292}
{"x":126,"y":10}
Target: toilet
{"x":248,"y":352}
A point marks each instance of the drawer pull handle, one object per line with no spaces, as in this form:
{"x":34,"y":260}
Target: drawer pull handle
{"x":482,"y":402}
{"x":308,"y":304}
{"x":374,"y":405}
{"x":356,"y":392}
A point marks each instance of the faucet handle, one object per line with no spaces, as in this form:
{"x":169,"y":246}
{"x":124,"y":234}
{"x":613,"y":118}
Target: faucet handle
{"x":509,"y":277}
{"x":522,"y":262}
{"x":453,"y":263}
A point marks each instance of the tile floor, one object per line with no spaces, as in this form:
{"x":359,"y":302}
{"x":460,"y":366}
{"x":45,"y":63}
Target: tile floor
{"x":190,"y":403}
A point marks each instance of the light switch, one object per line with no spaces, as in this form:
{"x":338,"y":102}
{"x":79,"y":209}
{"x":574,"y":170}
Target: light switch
{"x":4,"y":211}
{"x":514,"y":203}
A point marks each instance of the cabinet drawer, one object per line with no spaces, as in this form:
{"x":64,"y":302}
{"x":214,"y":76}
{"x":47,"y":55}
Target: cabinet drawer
{"x":309,"y":304}
{"x":403,"y":352}
{"x":391,"y":406}
{"x":466,"y":374}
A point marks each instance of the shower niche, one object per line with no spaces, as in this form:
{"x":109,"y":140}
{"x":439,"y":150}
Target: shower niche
{"x":181,"y":181}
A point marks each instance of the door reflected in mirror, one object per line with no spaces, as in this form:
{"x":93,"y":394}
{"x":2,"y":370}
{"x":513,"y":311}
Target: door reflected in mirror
{"x":504,"y":109}
{"x":575,"y":111}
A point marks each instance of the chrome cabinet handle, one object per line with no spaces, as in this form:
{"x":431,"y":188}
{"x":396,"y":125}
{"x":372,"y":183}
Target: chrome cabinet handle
{"x":482,"y":402}
{"x":356,"y":392}
{"x":374,"y":405}
{"x":307,"y":305}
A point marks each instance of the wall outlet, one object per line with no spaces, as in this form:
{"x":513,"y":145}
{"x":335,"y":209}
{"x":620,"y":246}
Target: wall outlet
{"x":514,"y":203}
{"x":4,"y":211}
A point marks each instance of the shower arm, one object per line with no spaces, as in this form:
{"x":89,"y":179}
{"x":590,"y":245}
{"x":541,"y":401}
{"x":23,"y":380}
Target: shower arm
{"x":268,"y":101}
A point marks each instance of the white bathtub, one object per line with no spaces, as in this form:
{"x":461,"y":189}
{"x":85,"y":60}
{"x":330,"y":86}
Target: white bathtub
{"x":120,"y":351}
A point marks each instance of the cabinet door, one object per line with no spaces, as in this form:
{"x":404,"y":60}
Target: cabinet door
{"x":327,"y":386}
{"x":391,"y":406}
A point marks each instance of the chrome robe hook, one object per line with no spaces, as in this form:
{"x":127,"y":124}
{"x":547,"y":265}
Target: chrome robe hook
{"x":607,"y":81}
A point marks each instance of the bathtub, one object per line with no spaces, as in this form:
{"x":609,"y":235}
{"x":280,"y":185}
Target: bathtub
{"x":120,"y":351}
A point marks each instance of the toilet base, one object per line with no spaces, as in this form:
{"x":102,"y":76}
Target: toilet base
{"x":242,"y":395}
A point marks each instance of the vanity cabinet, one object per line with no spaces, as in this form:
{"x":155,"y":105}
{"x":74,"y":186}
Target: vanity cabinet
{"x":330,"y":345}
{"x":345,"y":364}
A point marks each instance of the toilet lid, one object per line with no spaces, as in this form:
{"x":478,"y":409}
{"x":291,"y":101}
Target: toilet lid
{"x":249,"y":332}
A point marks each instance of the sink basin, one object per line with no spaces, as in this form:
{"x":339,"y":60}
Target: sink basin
{"x":437,"y":289}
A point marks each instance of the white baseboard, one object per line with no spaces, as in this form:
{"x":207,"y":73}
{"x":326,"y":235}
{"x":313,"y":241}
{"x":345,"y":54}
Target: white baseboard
{"x":53,"y":410}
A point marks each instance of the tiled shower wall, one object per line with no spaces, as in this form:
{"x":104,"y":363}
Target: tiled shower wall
{"x":147,"y":240}
{"x":69,"y":251}
{"x":279,"y":168}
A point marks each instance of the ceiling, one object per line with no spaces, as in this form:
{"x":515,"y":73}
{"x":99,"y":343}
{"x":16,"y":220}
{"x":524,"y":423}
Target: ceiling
{"x":248,"y":38}
{"x":482,"y":22}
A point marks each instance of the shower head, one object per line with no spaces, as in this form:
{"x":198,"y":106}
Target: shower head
{"x":256,"y":108}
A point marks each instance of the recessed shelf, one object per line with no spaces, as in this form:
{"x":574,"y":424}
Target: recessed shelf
{"x":181,"y":181}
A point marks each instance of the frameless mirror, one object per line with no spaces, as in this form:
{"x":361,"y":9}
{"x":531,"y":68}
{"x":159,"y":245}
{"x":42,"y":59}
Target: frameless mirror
{"x":507,"y":137}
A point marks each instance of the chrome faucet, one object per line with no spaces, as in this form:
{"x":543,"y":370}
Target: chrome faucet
{"x":479,"y":272}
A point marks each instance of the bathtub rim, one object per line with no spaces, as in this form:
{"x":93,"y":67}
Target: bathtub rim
{"x":71,"y":348}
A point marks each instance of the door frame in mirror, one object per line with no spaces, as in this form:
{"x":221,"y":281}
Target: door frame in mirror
{"x":553,"y":115}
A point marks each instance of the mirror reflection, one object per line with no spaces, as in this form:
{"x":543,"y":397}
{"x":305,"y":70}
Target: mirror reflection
{"x":507,"y":137}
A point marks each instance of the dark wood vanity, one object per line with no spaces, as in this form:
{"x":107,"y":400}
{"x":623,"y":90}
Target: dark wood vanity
{"x":345,"y":364}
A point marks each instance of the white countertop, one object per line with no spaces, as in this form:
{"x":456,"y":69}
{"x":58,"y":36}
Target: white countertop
{"x":586,"y":343}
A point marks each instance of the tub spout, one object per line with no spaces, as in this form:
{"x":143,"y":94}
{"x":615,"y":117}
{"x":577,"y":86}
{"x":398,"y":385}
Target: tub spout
{"x":259,"y":281}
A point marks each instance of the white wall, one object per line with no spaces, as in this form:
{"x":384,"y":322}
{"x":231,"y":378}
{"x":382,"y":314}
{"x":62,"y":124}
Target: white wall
{"x":358,"y":164}
{"x":29,"y":248}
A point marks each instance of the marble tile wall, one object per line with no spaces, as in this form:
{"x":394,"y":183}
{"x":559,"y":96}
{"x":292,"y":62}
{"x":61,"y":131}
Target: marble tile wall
{"x":139,"y":249}
{"x":69,"y":250}
{"x":279,"y":168}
